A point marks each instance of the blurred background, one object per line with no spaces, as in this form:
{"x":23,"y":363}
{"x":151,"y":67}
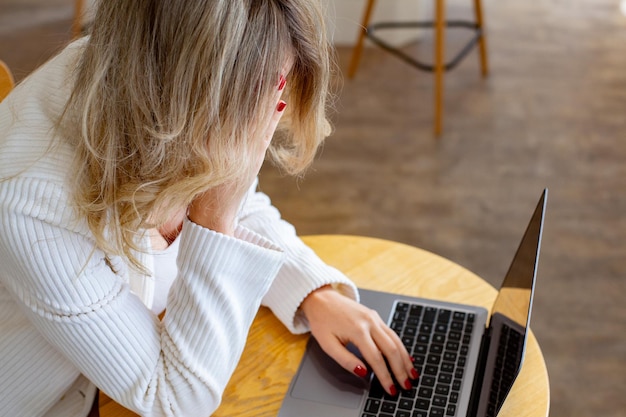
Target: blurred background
{"x":551,"y":113}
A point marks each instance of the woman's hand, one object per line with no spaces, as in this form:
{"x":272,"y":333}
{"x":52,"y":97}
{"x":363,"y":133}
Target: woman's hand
{"x":217,"y":208}
{"x":336,"y":320}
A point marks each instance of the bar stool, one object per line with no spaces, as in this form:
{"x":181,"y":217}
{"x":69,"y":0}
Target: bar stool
{"x":439,"y":67}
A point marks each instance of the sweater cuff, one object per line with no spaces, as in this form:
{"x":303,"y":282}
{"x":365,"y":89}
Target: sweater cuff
{"x":294,"y":283}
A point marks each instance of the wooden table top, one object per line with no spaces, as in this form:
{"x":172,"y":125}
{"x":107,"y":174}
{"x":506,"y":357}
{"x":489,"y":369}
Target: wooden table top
{"x":272,"y":354}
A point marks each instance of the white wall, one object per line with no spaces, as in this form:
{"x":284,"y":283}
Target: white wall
{"x":345,"y":18}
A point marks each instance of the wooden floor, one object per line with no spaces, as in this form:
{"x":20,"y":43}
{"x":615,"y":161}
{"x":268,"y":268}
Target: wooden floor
{"x":551,"y":114}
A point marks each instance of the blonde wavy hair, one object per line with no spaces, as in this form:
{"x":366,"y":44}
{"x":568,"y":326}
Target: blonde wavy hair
{"x":167,"y":93}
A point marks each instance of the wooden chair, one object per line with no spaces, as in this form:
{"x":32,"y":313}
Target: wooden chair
{"x":6,"y":80}
{"x":439,"y":67}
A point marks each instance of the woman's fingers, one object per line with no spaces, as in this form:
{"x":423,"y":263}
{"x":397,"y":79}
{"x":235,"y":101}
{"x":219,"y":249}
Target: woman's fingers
{"x":336,"y":321}
{"x":387,"y":355}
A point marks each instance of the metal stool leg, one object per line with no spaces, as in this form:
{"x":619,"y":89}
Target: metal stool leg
{"x":358,"y":48}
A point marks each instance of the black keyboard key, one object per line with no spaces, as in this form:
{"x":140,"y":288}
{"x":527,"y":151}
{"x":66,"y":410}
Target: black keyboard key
{"x":403,"y":413}
{"x":451,"y":410}
{"x":428,"y":381}
{"x":405,"y":404}
{"x":454,"y":397}
{"x":422,"y":404}
{"x":425,"y":392}
{"x":444,"y":378}
{"x":430,"y":314}
{"x":456,"y":325}
{"x":415,"y":311}
{"x":431,"y":370}
{"x":436,"y":412}
{"x":442,"y":389}
{"x":456,"y":336}
{"x":420,"y":349}
{"x":433,"y":359}
{"x":372,"y":406}
{"x":407,"y":342}
{"x":402,"y":307}
{"x":420,"y":413}
{"x":412,"y":321}
{"x":436,"y":348}
{"x":419,"y":359}
{"x":388,"y":407}
{"x":447,"y":367}
{"x":396,"y":326}
{"x":399,"y":316}
{"x":444,"y":316}
{"x":426,"y":328}
{"x":411,"y":393}
{"x":410,"y":331}
{"x":439,"y":401}
{"x":456,"y":385}
{"x":453,"y":346}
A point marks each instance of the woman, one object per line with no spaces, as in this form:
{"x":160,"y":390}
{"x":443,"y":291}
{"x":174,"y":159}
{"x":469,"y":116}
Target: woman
{"x":128,"y":166}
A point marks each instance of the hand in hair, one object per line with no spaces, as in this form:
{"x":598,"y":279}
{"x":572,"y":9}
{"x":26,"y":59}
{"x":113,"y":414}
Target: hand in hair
{"x":217,"y":208}
{"x":336,"y":320}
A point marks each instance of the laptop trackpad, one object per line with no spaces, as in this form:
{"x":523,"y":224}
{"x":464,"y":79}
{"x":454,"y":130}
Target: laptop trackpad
{"x":321,"y":379}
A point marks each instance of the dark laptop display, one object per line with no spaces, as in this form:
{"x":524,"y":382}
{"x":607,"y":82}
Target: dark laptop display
{"x":467,"y":360}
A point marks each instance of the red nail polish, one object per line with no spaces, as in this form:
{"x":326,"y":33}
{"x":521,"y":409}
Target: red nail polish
{"x":281,"y":106}
{"x":281,"y":82}
{"x":360,"y":371}
{"x":393,"y":391}
{"x":407,"y":384}
{"x":414,"y":374}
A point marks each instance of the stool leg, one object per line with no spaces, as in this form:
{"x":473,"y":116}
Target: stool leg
{"x":356,"y":51}
{"x":77,"y":24}
{"x":439,"y":63}
{"x":482,"y":42}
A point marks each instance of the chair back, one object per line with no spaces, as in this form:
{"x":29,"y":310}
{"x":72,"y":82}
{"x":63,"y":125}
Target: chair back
{"x":6,"y":80}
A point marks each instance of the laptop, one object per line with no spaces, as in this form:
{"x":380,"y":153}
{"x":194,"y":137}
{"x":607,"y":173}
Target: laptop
{"x":467,"y":359}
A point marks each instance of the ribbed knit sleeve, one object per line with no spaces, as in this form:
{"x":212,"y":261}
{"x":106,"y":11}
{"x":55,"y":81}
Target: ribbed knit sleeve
{"x":302,"y":272}
{"x":69,"y":293}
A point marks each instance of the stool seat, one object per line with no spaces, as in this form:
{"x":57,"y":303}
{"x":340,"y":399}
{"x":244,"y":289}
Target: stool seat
{"x":439,"y":24}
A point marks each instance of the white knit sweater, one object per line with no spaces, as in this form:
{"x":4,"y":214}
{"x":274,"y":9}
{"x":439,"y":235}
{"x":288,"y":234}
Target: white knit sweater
{"x":72,"y":318}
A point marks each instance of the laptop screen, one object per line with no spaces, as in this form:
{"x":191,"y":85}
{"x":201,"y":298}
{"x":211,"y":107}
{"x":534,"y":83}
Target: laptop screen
{"x":515,"y":297}
{"x":510,"y":318}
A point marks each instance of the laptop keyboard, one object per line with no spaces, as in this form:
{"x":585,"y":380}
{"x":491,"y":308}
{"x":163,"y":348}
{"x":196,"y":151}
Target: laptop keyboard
{"x":508,"y":361}
{"x":439,"y":340}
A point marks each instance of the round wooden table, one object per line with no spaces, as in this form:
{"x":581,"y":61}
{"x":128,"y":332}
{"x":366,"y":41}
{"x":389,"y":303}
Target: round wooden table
{"x":272,"y":354}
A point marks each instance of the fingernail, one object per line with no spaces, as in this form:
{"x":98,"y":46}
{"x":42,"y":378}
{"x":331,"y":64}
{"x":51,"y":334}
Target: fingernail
{"x":281,"y":82}
{"x":360,"y":371}
{"x":414,"y":374}
{"x":393,"y":391}
{"x":407,"y":384}
{"x":281,"y":106}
